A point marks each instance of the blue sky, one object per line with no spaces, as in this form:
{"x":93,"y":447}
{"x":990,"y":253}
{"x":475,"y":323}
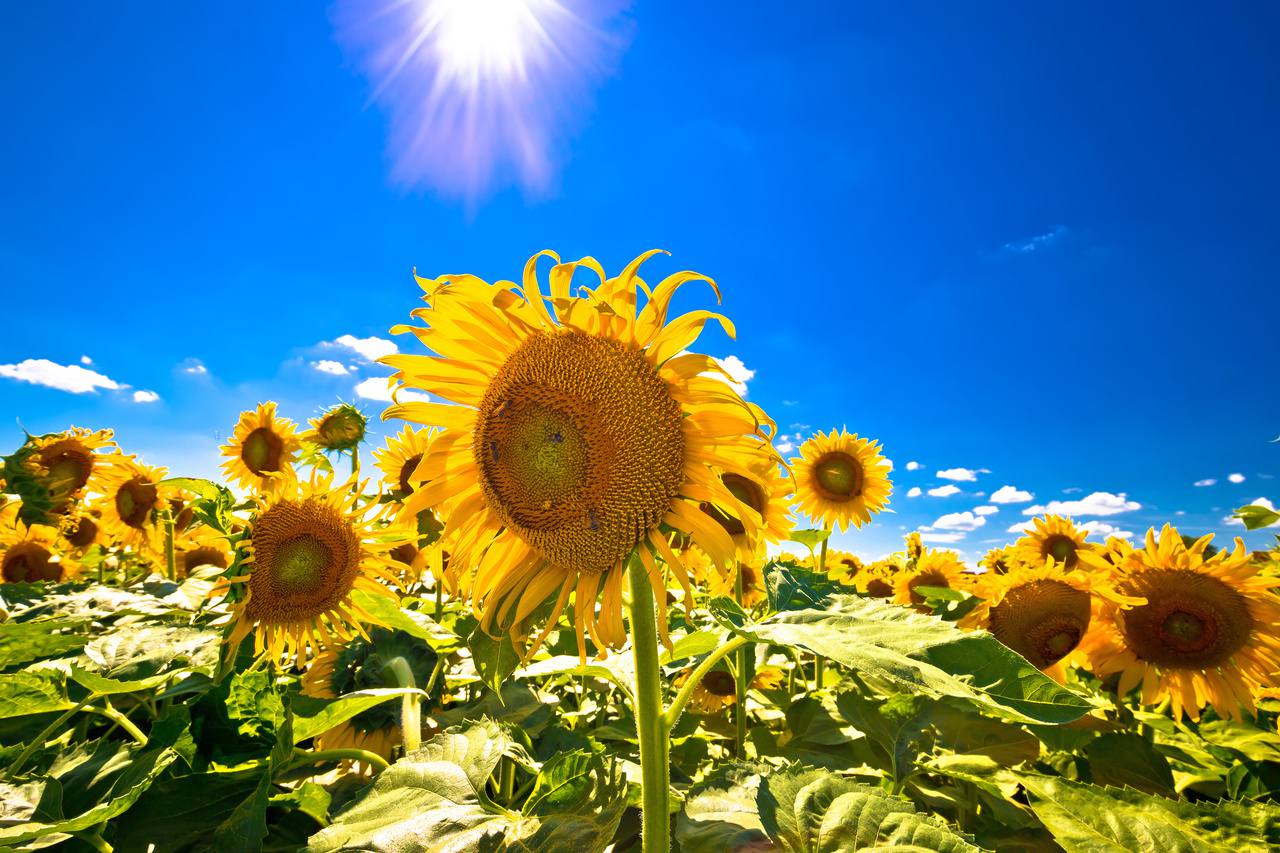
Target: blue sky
{"x":1033,"y":244}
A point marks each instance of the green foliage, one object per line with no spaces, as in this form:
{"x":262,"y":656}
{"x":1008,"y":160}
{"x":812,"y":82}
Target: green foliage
{"x":1256,"y":517}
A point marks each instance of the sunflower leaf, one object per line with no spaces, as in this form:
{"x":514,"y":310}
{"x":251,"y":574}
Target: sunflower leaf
{"x":33,"y":692}
{"x":720,"y":813}
{"x":1090,"y":819}
{"x":385,"y":611}
{"x":922,"y":654}
{"x":312,"y":716}
{"x":1256,"y":516}
{"x":22,"y":642}
{"x":1123,"y":759}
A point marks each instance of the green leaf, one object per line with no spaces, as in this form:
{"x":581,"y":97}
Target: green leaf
{"x":246,"y":826}
{"x":922,"y":654}
{"x":312,"y":716}
{"x":434,"y":799}
{"x":385,"y":611}
{"x":22,"y":642}
{"x":141,"y":651}
{"x":130,"y":785}
{"x":791,"y":586}
{"x":1123,"y":759}
{"x":810,"y":539}
{"x":1252,"y":742}
{"x":1089,"y":819}
{"x":1256,"y":517}
{"x":33,"y":692}
{"x":254,"y":703}
{"x":720,"y":813}
{"x":103,"y":686}
{"x":951,"y":605}
{"x":578,"y":800}
{"x":691,"y":646}
{"x":495,"y":657}
{"x":308,"y":798}
{"x":177,"y":814}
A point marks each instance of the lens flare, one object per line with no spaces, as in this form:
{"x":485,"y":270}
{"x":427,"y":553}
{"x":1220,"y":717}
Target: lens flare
{"x":480,"y":93}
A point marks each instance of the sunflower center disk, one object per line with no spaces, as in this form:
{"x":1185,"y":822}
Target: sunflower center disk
{"x":406,"y":471}
{"x":84,"y":532}
{"x":134,"y":501}
{"x":27,"y":562}
{"x":719,"y":683}
{"x":839,"y":476}
{"x":69,"y":471}
{"x":580,"y":447}
{"x":262,"y":450}
{"x":306,"y":558}
{"x":744,"y":490}
{"x":1190,"y":621}
{"x":1061,"y":548}
{"x":1042,"y":620}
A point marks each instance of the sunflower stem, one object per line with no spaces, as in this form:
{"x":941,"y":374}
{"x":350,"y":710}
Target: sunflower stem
{"x":355,"y":466}
{"x":651,"y":722}
{"x":170,"y":562}
{"x":740,"y":678}
{"x":410,"y":705}
{"x":303,"y":758}
{"x":120,"y":720}
{"x":38,"y":740}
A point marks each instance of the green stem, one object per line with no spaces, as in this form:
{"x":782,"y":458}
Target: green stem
{"x":740,"y":682}
{"x":169,"y":561}
{"x":695,"y":678}
{"x":651,"y":722}
{"x":302,"y":759}
{"x":38,"y":740}
{"x":95,"y":840}
{"x":120,"y":720}
{"x":439,"y":599}
{"x":822,"y":557}
{"x":507,"y":786}
{"x":819,"y":668}
{"x":355,"y":466}
{"x":410,"y":705}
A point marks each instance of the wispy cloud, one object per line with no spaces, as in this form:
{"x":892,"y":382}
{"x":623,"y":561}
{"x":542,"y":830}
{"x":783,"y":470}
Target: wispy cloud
{"x":1104,"y":529}
{"x":379,"y":388}
{"x":64,"y":377}
{"x":193,"y":367}
{"x":986,"y":510}
{"x":941,"y":538}
{"x":944,"y":491}
{"x":1095,"y":503}
{"x":964,"y":521}
{"x":1208,"y":481}
{"x":370,"y":349}
{"x":333,"y":368}
{"x":1010,"y":495}
{"x":1038,"y":243}
{"x":962,"y":475}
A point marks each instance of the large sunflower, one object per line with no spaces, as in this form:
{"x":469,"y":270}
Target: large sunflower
{"x":1053,"y":537}
{"x":262,"y":450}
{"x":1208,"y":634}
{"x":361,"y":663}
{"x":583,"y":429}
{"x":30,"y":553}
{"x":307,"y":550}
{"x":934,"y":568}
{"x":131,"y":495}
{"x":51,"y":472}
{"x":841,"y":479}
{"x":1042,"y":613}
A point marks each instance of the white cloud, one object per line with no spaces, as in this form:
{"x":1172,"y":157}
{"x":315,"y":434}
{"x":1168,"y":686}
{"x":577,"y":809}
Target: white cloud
{"x":1020,"y":527}
{"x":1041,"y":241}
{"x":146,"y":397}
{"x":1231,"y":519}
{"x":1096,"y":503}
{"x":941,"y":537}
{"x":1010,"y":495}
{"x":889,"y":462}
{"x":376,"y":388}
{"x":783,"y":447}
{"x":914,"y":466}
{"x":64,"y":377}
{"x":1104,"y":529}
{"x":962,"y":475}
{"x":84,"y":359}
{"x":1206,"y":482}
{"x":944,"y":491}
{"x":1236,"y":478}
{"x":739,"y":373}
{"x":1072,"y":490}
{"x":914,"y":492}
{"x":986,"y":510}
{"x":334,"y":368}
{"x":1181,"y":512}
{"x":960,"y":521}
{"x":370,"y":349}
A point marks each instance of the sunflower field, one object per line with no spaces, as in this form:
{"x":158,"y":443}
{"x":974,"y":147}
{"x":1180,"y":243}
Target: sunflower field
{"x":544,"y":617}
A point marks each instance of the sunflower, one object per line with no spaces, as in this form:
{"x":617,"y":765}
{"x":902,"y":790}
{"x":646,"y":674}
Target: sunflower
{"x":877,"y":579}
{"x":584,"y":433}
{"x":1208,"y":634}
{"x":131,"y":494}
{"x":262,"y":450}
{"x":753,"y":591}
{"x":36,"y":552}
{"x":399,"y":460}
{"x":361,"y":663}
{"x":998,"y":561}
{"x":1054,"y":537}
{"x":765,"y":495}
{"x":1042,"y":613}
{"x":341,"y":427}
{"x":202,"y":547}
{"x":768,"y":678}
{"x":714,"y":693}
{"x":53,"y":471}
{"x":81,"y":528}
{"x":934,"y":568}
{"x":307,"y":550}
{"x":915,"y":545}
{"x":843,"y":567}
{"x":841,"y":479}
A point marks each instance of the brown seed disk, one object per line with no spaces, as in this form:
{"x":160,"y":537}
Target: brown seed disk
{"x":1042,"y":620}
